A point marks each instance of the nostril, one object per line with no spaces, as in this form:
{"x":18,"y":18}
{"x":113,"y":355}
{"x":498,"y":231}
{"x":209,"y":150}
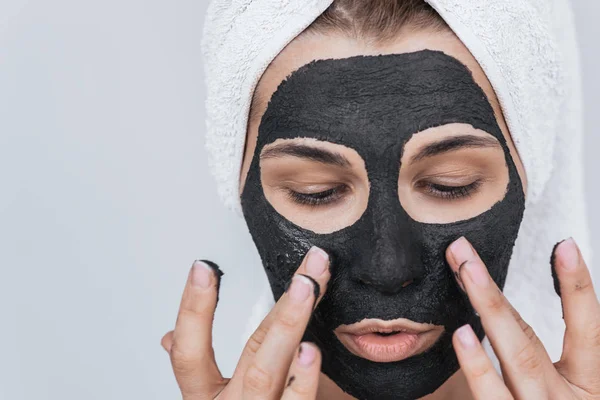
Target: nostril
{"x":387,"y":286}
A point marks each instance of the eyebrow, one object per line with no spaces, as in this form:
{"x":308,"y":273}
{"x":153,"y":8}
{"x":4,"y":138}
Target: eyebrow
{"x":454,"y":143}
{"x":303,"y":151}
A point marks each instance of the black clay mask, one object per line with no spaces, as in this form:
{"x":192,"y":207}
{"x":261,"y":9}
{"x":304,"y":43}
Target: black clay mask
{"x":374,"y":104}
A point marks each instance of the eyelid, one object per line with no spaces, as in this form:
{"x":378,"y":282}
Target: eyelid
{"x":313,"y":186}
{"x":450,"y":180}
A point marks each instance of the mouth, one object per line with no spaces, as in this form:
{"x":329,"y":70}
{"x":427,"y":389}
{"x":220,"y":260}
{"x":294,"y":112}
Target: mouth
{"x":388,"y":341}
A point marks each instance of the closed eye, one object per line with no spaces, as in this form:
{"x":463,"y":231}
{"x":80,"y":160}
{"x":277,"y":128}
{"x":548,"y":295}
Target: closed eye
{"x":446,"y":192}
{"x":315,"y":199}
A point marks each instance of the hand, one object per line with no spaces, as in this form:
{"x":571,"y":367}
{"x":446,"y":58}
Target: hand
{"x":273,"y":364}
{"x":526,"y":367}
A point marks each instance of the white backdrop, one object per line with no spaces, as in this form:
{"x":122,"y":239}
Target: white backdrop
{"x":106,"y":199}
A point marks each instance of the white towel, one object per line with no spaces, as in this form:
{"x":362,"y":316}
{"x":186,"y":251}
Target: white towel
{"x":528,"y":50}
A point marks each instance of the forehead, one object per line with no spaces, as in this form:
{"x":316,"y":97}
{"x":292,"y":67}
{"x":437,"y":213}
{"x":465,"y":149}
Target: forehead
{"x":310,"y":47}
{"x":385,"y":97}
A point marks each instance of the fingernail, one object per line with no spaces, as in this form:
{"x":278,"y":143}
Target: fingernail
{"x":201,"y":274}
{"x":478,"y":274}
{"x":316,"y":286}
{"x":300,"y":288}
{"x":218,"y":273}
{"x":466,"y":337}
{"x":316,"y":263}
{"x":569,"y":254}
{"x":461,"y":250}
{"x":306,"y":354}
{"x":216,"y":270}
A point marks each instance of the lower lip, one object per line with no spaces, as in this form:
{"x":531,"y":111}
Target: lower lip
{"x":389,"y":348}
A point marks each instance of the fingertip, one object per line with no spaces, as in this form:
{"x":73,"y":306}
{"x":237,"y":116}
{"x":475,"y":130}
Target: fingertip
{"x":199,"y":294}
{"x":317,"y":261}
{"x":202,"y":275}
{"x":217,"y":273}
{"x":461,"y":251}
{"x":450,"y":257}
{"x":303,"y":378}
{"x":315,"y":268}
{"x":214,"y":267}
{"x":465,"y":337}
{"x":205,"y":274}
{"x":316,"y":286}
{"x":308,"y":354}
{"x":567,"y":254}
{"x":567,"y":266}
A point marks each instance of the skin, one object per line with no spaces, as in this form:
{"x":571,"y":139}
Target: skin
{"x":272,"y":356}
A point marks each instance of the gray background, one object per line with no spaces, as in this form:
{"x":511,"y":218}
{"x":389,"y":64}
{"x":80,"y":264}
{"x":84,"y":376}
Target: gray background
{"x":106,"y":199}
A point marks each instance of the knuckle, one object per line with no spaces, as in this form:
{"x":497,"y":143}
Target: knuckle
{"x":201,"y":312}
{"x":582,"y":285}
{"x":496,"y":303}
{"x":517,"y":317}
{"x":301,"y":388}
{"x":256,"y":340}
{"x":257,"y":380}
{"x":479,"y":369}
{"x":288,"y":320}
{"x":527,"y":359}
{"x":528,"y":331}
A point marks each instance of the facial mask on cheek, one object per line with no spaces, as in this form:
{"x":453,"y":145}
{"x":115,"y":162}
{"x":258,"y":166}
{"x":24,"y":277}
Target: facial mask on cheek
{"x":374,"y":104}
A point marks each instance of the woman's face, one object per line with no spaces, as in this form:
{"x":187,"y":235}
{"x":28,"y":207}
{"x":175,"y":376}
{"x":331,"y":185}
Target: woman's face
{"x":382,"y":161}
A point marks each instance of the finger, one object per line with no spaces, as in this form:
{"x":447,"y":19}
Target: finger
{"x":303,"y":378}
{"x":581,"y":351}
{"x":482,"y":377}
{"x":521,"y":356}
{"x":258,"y":337}
{"x":191,"y":349}
{"x":265,"y":374}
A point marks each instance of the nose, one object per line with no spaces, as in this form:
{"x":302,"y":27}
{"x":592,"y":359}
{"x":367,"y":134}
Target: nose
{"x":392,"y":266}
{"x":392,"y":260}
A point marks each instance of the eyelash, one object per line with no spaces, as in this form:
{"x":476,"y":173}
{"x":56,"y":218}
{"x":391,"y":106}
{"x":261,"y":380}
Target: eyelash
{"x":332,"y":195}
{"x":320,"y":198}
{"x":451,"y":192}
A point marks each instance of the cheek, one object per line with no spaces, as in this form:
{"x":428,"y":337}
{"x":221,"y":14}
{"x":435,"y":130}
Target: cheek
{"x":321,"y":220}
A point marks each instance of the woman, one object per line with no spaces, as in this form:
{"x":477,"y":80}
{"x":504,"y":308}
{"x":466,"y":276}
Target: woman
{"x":383,"y":188}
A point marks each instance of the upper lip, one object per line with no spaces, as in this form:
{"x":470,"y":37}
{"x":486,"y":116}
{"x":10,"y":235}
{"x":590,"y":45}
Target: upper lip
{"x":371,"y":325}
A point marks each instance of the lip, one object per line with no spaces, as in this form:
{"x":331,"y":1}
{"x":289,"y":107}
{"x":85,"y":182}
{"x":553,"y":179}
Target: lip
{"x":363,"y":338}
